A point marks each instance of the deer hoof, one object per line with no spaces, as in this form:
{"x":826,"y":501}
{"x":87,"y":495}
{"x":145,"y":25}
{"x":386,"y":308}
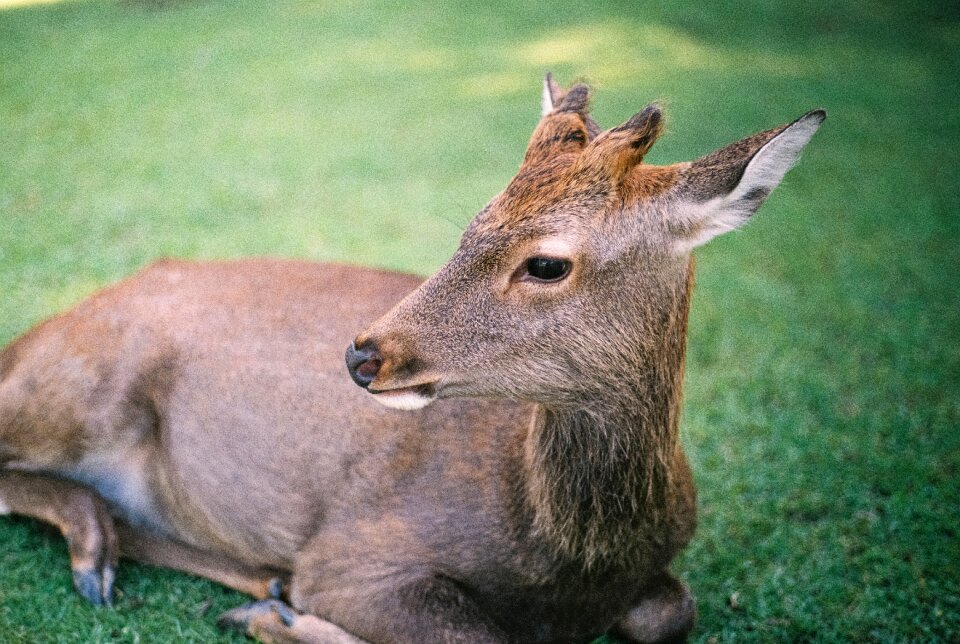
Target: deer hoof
{"x":95,"y":586}
{"x":275,"y":588}
{"x":241,"y":618}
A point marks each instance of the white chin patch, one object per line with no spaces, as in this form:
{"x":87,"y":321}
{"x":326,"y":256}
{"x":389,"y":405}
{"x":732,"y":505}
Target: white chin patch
{"x":403,"y":400}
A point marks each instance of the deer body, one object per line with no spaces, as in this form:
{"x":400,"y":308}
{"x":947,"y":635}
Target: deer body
{"x":204,"y":409}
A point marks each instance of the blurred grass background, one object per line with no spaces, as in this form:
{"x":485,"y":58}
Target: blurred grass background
{"x":822,"y":412}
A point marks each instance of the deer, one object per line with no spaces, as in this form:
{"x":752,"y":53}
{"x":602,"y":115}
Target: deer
{"x":498,"y":462}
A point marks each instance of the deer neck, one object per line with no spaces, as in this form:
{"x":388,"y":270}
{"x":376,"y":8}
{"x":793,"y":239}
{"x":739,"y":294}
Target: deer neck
{"x":601,"y":474}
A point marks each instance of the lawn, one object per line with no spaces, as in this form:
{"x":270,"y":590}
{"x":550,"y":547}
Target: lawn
{"x":822,"y":412}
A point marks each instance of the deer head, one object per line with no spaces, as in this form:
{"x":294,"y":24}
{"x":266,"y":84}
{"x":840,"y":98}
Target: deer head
{"x":573,"y":281}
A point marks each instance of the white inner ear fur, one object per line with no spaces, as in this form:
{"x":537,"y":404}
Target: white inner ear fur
{"x":764,"y":172}
{"x":546,"y":105}
{"x":768,"y":166}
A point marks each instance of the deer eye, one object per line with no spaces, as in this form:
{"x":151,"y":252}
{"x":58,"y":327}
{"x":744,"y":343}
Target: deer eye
{"x":547,"y":269}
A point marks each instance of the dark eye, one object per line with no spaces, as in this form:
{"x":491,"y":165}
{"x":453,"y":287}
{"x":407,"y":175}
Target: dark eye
{"x":547,"y":269}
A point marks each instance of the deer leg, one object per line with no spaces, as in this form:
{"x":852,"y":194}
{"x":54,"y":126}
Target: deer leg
{"x":666,"y":613}
{"x":80,"y":515}
{"x":433,"y":610}
{"x":95,"y":541}
{"x":271,"y":620}
{"x":156,"y":550}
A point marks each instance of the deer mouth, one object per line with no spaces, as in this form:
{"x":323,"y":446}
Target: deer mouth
{"x":406,"y":398}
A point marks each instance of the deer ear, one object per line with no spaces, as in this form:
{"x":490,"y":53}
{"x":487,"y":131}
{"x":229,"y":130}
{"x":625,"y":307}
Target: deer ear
{"x":619,"y":150}
{"x":552,"y":94}
{"x":564,"y":129}
{"x":720,"y":191}
{"x":554,"y":99}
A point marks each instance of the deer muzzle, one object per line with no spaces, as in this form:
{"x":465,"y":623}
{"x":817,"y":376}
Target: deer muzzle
{"x":365,"y":362}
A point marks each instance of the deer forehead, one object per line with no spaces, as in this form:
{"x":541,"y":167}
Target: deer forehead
{"x":563,"y":216}
{"x":559,"y":231}
{"x":563,"y":192}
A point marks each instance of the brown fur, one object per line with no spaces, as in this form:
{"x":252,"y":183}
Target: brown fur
{"x":540,"y":498}
{"x":647,"y":181}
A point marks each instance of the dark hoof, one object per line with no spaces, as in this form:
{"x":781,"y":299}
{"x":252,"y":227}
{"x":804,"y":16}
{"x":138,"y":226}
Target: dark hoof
{"x":240,"y":618}
{"x":275,"y":588}
{"x":94,"y":587}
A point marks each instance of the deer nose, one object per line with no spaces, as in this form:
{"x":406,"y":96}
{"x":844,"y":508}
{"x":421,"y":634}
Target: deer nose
{"x":363,"y":363}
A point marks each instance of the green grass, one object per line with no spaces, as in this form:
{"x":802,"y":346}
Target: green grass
{"x":822,"y":411}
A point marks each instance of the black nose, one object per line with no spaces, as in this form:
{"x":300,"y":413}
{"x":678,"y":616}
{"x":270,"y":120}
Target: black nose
{"x":363,"y":363}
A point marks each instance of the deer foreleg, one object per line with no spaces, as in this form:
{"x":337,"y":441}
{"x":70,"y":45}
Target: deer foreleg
{"x":432,"y":609}
{"x":80,"y":515}
{"x":273,"y":621}
{"x":156,"y":550}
